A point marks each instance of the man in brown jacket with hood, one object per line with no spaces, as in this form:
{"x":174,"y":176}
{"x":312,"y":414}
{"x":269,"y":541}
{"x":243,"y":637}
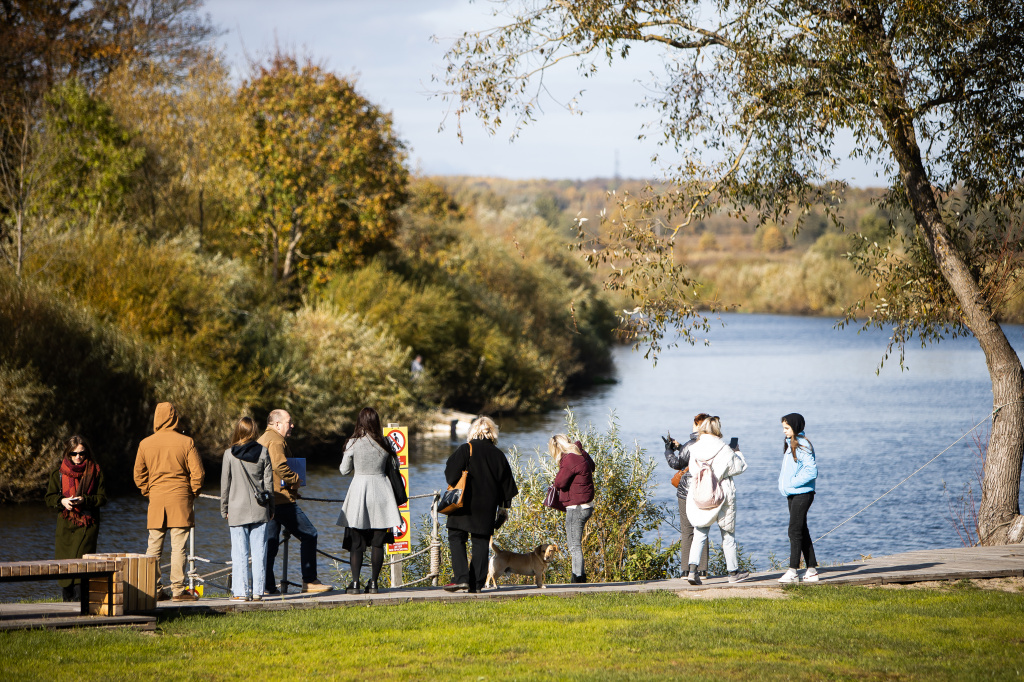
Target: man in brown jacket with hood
{"x":170,"y":473}
{"x":286,"y":512}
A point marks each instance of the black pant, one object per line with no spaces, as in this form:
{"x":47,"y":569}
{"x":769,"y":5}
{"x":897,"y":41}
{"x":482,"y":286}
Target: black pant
{"x":295,"y":521}
{"x":474,"y":574}
{"x":799,"y":535}
{"x":360,"y":538}
{"x":686,"y":539}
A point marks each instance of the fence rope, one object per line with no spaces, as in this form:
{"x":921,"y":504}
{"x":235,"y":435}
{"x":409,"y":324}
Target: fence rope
{"x":920,"y":468}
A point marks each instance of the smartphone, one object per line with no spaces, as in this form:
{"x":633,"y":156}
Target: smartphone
{"x":734,"y":443}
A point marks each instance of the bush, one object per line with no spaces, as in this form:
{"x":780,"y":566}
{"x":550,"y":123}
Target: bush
{"x":615,"y":539}
{"x":707,"y":242}
{"x":772,"y":239}
{"x":65,"y":372}
{"x":503,"y":323}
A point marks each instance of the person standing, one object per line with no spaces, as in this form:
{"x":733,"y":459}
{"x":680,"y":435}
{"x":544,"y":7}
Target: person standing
{"x":169,"y":472}
{"x":796,"y":483}
{"x":76,"y":490}
{"x":678,"y":457}
{"x":245,"y":474}
{"x":575,"y":485}
{"x":287,"y":513}
{"x":712,"y":460}
{"x":490,"y":488}
{"x":370,"y":508}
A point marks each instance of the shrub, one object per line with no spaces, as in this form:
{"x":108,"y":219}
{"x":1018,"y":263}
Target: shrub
{"x":616,"y":542}
{"x":330,"y":366}
{"x":104,"y":384}
{"x":772,"y":239}
{"x":708,"y":242}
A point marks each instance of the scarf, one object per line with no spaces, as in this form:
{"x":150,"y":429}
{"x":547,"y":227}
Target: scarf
{"x":78,"y":480}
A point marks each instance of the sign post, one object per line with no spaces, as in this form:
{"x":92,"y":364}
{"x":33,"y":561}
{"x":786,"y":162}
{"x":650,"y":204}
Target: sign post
{"x":399,"y":437}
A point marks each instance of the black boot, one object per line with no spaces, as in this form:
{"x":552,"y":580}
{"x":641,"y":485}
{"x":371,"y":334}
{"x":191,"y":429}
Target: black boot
{"x":353,"y":587}
{"x":581,"y":578}
{"x":575,"y":579}
{"x":371,"y":587}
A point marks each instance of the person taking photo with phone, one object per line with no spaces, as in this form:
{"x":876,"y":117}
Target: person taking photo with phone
{"x":678,"y":457}
{"x":76,"y":491}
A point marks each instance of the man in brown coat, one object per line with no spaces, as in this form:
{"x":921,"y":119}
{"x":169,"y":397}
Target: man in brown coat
{"x":170,"y":473}
{"x":286,"y":511}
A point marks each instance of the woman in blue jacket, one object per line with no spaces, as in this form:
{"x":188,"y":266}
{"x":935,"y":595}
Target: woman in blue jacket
{"x":796,"y":482}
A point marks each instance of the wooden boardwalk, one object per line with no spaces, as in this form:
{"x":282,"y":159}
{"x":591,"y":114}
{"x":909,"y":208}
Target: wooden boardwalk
{"x":909,"y":567}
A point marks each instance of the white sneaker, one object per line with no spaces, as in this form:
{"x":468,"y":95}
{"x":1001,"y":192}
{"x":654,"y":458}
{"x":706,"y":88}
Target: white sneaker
{"x":810,"y":575}
{"x":790,"y":577}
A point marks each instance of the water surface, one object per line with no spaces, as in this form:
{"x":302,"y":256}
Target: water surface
{"x":870,"y":431}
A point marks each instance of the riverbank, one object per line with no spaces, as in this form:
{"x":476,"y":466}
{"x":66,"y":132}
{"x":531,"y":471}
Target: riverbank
{"x":821,"y":632}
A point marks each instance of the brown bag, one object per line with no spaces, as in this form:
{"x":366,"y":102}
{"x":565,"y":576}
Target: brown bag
{"x":451,"y":500}
{"x":679,"y":477}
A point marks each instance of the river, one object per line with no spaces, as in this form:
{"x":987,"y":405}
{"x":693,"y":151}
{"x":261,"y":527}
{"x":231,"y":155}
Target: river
{"x":869,"y":431}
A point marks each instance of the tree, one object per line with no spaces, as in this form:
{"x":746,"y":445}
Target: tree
{"x":754,"y":96}
{"x":327,"y":170}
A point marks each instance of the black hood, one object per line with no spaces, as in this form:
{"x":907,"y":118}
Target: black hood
{"x":247,"y":452}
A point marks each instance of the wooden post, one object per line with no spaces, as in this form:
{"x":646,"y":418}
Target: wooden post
{"x":396,"y":574}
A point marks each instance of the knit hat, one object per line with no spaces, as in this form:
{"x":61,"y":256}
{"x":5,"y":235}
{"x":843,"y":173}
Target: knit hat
{"x":795,"y":421}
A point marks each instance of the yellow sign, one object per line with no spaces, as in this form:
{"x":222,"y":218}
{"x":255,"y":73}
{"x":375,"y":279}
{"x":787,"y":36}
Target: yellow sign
{"x":399,"y":437}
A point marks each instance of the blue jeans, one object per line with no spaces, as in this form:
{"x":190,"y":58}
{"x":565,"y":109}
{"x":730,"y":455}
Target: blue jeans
{"x":575,"y":520}
{"x":293,"y":520}
{"x":247,"y":539}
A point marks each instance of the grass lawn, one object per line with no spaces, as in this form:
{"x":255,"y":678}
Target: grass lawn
{"x":818,"y":632}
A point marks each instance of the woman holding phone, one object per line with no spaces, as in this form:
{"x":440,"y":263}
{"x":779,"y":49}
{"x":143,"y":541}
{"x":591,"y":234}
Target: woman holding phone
{"x":796,"y":483}
{"x":76,"y":491}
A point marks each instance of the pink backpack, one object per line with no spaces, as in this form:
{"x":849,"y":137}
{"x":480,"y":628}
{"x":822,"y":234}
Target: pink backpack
{"x":707,"y":491}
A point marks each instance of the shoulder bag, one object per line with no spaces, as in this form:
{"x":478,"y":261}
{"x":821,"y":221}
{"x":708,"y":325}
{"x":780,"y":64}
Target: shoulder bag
{"x":263,"y":497}
{"x":678,"y":477}
{"x":391,"y":470}
{"x":451,"y":499}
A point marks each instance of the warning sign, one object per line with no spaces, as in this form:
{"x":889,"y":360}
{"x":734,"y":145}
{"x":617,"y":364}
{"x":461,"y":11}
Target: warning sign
{"x":403,"y":536}
{"x":399,"y":437}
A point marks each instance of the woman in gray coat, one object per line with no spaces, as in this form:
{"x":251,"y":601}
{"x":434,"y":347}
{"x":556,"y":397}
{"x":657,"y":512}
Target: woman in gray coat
{"x":370,"y":509}
{"x":245,"y":473}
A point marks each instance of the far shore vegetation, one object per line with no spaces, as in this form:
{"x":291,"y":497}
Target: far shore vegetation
{"x":821,"y":632}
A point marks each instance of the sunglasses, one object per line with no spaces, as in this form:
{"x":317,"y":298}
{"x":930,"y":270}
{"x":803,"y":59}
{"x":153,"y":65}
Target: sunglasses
{"x":78,"y":454}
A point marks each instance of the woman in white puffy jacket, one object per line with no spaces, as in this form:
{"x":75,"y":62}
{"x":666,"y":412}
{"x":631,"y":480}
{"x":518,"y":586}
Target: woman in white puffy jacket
{"x":704,"y":508}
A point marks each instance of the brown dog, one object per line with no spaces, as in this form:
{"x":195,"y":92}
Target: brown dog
{"x":535,"y":563}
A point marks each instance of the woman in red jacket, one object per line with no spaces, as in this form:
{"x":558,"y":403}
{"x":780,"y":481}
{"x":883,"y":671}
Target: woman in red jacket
{"x":575,"y":485}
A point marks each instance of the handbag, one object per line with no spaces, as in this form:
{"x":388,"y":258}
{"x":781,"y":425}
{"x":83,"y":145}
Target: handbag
{"x":678,"y":477}
{"x":263,"y":498}
{"x":391,"y":470}
{"x":451,"y":500}
{"x":551,"y":499}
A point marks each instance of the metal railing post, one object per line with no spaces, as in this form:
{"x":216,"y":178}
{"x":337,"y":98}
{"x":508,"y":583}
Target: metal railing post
{"x":435,"y":544}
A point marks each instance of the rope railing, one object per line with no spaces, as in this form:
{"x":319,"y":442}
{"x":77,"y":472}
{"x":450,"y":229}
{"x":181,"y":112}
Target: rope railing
{"x":434,"y":548}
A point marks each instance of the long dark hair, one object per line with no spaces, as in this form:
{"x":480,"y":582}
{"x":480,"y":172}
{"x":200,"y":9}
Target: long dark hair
{"x":73,"y":443}
{"x":368,"y":424}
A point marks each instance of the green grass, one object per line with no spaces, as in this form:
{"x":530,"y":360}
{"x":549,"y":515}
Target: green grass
{"x":819,"y":633}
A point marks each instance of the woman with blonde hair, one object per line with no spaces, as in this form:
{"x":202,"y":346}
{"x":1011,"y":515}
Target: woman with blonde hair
{"x":76,"y":491}
{"x":247,"y":502}
{"x":575,"y":485}
{"x":490,"y":488}
{"x":713,"y":464}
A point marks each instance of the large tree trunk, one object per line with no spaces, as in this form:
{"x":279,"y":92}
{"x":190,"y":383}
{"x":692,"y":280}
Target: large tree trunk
{"x":999,"y":519}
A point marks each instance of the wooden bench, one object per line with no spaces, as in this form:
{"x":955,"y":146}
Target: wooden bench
{"x":59,"y":569}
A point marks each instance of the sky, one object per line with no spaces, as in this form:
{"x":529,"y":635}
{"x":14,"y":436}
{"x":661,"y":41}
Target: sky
{"x":389,"y":47}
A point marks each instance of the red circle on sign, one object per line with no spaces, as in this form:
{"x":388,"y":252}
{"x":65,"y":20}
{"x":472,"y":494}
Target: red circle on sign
{"x":401,"y":530}
{"x":398,"y":439}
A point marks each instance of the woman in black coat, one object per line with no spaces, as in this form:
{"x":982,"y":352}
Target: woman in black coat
{"x":490,"y":488}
